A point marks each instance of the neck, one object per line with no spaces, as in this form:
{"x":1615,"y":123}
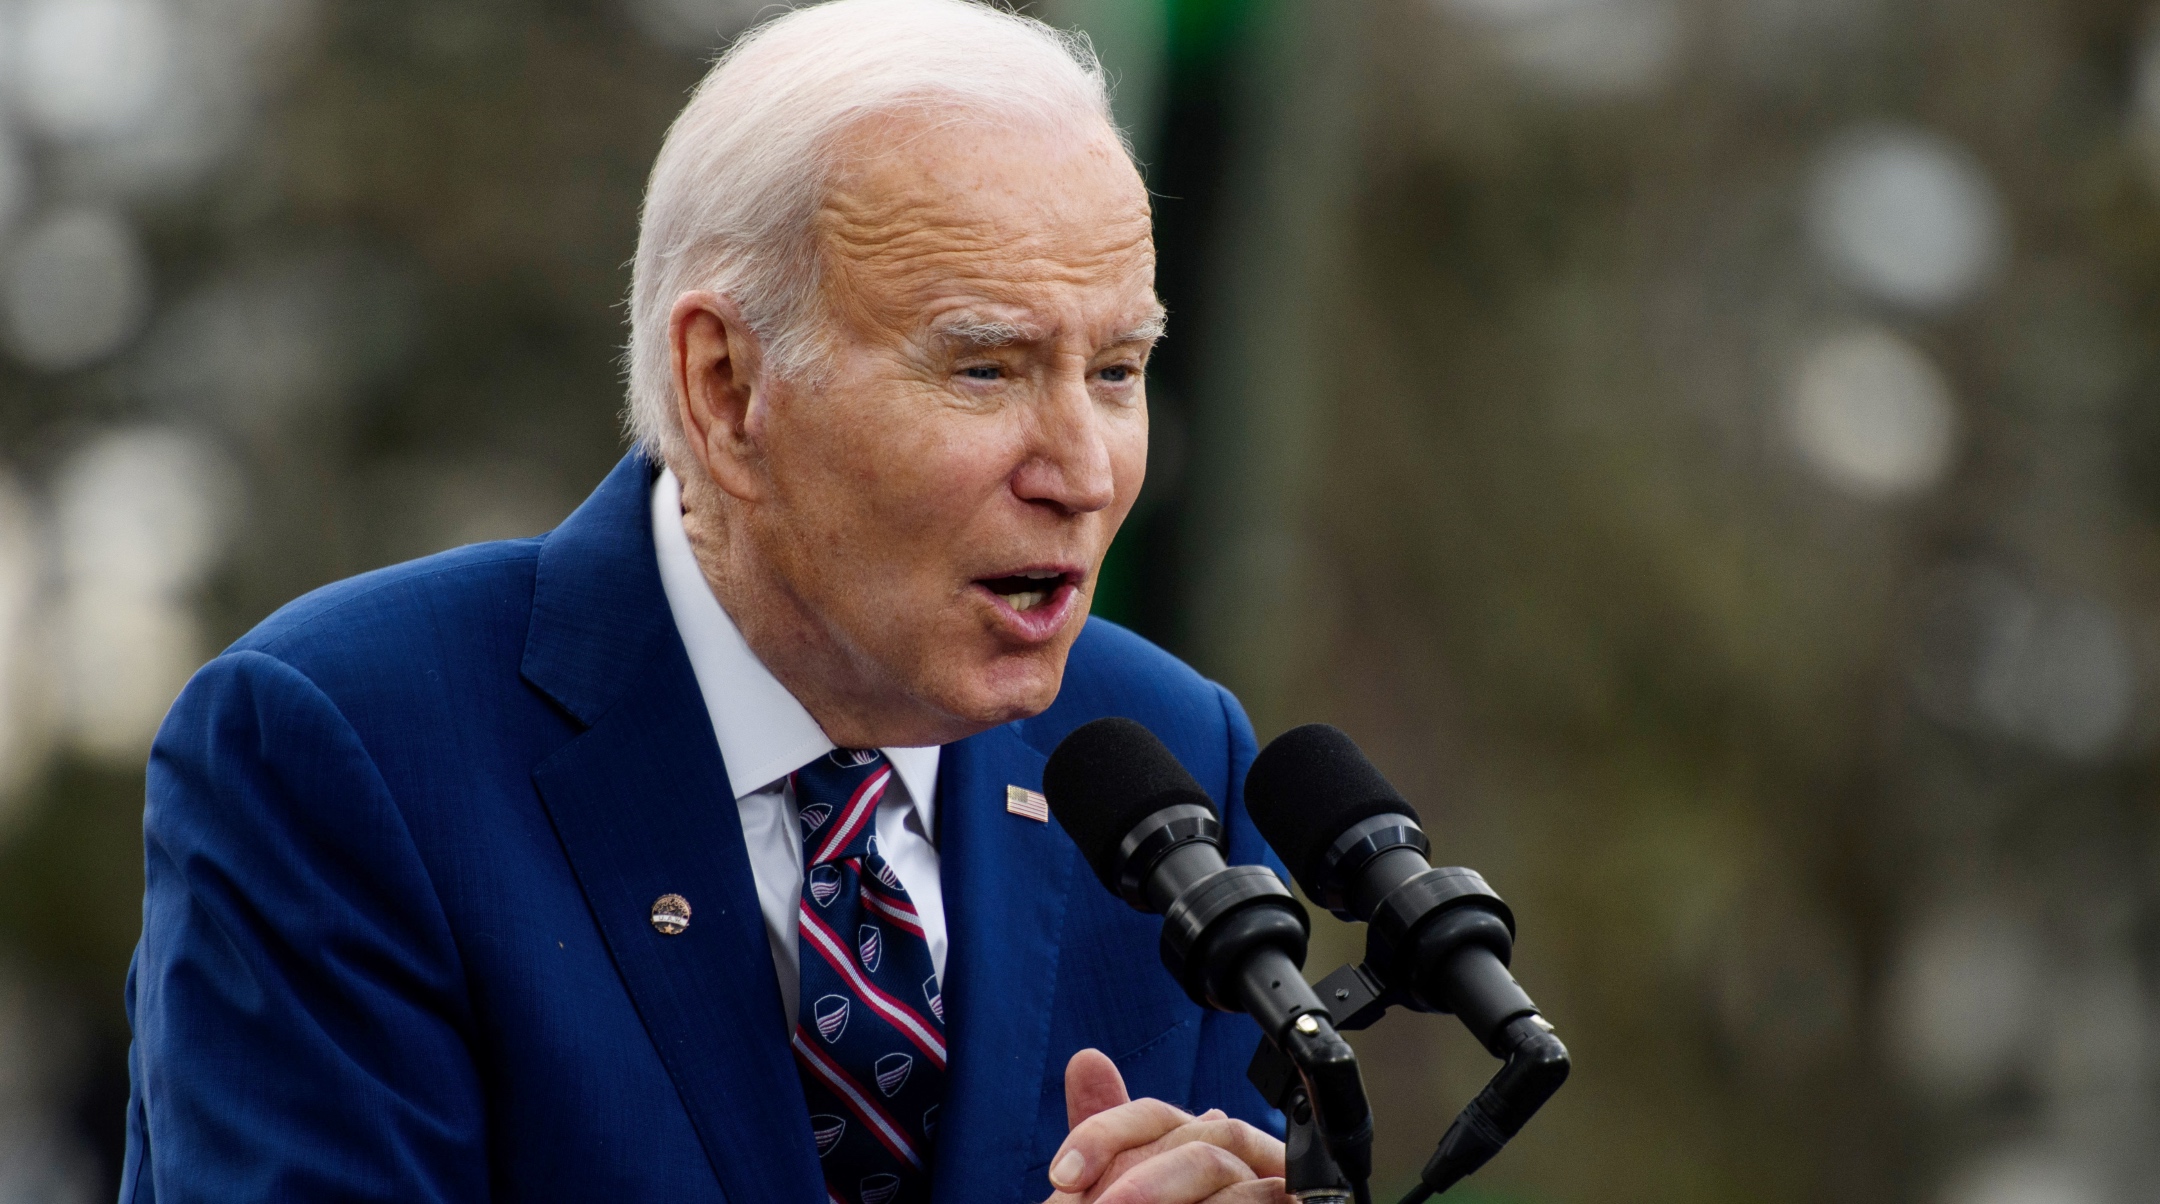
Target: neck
{"x":855,"y":701}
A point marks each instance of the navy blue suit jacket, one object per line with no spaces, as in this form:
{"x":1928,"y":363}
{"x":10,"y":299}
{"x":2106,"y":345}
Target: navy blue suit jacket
{"x":402,"y":845}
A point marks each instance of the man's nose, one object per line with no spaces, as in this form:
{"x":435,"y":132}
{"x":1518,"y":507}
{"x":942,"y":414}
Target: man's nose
{"x":1070,"y":465}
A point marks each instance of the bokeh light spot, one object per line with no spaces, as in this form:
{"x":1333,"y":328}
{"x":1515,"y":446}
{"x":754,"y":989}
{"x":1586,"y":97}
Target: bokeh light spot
{"x":2021,"y":1177}
{"x":1963,"y":994}
{"x":1871,"y":415}
{"x":91,"y":68}
{"x":74,"y":290}
{"x":1998,"y":658}
{"x":2059,"y":675}
{"x":142,"y":517}
{"x":1906,"y":217}
{"x":1587,"y":48}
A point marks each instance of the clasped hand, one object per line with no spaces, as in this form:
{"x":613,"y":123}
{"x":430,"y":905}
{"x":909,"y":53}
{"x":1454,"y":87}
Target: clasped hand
{"x":1127,"y":1151}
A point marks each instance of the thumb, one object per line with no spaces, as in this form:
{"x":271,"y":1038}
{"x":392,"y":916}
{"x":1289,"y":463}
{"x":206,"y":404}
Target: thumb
{"x":1092,"y":1084}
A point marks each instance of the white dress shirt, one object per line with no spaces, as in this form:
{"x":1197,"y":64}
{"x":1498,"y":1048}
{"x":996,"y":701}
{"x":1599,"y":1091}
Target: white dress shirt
{"x":765,"y":735}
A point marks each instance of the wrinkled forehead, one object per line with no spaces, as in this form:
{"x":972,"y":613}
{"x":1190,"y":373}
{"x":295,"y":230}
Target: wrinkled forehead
{"x":924,"y":213}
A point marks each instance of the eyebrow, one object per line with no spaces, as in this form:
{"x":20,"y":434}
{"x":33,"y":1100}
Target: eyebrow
{"x":978,"y":334}
{"x":1146,"y":332}
{"x":975,"y":333}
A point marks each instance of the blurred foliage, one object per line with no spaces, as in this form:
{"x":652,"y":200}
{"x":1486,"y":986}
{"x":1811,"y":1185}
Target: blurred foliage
{"x":71,"y":885}
{"x":1474,"y":435}
{"x":1550,"y":555}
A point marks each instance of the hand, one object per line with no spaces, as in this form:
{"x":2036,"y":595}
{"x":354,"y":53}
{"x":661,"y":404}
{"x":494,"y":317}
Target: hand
{"x":1127,"y":1151}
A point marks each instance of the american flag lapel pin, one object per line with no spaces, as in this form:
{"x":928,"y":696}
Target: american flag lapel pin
{"x":1029,"y":804}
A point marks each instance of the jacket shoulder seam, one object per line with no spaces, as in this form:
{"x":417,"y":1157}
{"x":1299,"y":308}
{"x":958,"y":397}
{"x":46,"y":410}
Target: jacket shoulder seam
{"x":285,"y":636}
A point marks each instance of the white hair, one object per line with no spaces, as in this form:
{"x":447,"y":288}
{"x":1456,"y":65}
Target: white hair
{"x":734,"y":194}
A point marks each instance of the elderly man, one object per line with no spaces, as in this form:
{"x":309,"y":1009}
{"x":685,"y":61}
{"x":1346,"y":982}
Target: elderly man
{"x":690,"y":852}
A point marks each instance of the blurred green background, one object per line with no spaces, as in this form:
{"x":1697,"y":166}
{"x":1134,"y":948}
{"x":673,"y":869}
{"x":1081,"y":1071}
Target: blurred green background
{"x":1706,"y":450}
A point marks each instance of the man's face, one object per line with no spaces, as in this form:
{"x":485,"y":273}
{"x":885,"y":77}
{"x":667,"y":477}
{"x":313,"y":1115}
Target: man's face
{"x":941,"y":503}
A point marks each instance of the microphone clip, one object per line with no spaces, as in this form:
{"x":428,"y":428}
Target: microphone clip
{"x":1311,"y":1077}
{"x":1534,"y":1064}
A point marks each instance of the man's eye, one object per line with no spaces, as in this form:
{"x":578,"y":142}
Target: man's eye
{"x":1117,"y":374}
{"x":983,"y":372}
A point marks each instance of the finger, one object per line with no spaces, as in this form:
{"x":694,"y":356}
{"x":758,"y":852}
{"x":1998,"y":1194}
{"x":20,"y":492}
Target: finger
{"x":1092,"y":1084}
{"x":1264,"y":1154}
{"x":1261,"y":1153}
{"x":1188,"y":1174}
{"x":1101,"y":1137}
{"x":1256,"y":1191}
{"x":1253,"y":1147}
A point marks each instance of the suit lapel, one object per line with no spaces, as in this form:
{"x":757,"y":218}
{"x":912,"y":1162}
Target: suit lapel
{"x":1004,"y":880}
{"x":642,"y":806}
{"x":641,"y":803}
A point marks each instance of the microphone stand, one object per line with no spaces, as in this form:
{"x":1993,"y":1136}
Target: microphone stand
{"x":1310,"y":1173}
{"x":1533,"y":1066}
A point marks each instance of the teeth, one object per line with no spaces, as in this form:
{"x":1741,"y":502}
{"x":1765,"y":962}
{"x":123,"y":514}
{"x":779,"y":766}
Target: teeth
{"x":1027,"y":599}
{"x":1040,"y":574}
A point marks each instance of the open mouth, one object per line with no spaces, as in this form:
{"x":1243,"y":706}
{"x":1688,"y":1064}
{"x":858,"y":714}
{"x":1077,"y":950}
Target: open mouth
{"x":1028,"y":589}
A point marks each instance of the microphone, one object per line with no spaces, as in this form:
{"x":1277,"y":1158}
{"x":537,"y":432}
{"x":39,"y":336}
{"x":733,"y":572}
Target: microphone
{"x":1438,"y":940}
{"x":1233,"y":936}
{"x":1442,"y":936}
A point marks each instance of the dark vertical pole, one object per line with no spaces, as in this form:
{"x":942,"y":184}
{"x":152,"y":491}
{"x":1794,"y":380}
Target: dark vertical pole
{"x":1142,"y":583}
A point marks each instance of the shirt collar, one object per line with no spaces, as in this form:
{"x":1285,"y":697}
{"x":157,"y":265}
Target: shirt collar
{"x":764,"y":733}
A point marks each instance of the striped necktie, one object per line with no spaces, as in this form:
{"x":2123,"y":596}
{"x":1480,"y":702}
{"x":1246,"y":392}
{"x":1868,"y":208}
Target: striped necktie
{"x":870,"y":1030}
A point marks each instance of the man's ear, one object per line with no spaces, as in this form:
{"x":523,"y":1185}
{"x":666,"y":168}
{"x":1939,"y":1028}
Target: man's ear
{"x":716,"y":359}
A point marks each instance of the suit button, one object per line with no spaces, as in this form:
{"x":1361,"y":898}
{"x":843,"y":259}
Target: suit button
{"x":670,"y":914}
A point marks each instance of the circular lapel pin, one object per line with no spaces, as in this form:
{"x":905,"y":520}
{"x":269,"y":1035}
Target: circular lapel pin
{"x":671,"y":914}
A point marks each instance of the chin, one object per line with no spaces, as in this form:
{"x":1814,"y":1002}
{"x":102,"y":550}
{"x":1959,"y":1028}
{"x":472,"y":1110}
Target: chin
{"x":1009,"y":688}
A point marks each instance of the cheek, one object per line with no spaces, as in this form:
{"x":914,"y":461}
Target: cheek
{"x":939,"y":476}
{"x":1128,"y":458}
{"x":979,"y":456}
{"x":889,"y":473}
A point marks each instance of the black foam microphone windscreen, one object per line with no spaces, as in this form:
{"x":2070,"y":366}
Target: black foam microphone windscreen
{"x":1105,"y":778}
{"x":1309,"y":785}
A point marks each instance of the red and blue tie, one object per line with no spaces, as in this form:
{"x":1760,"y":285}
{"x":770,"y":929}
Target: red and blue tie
{"x":870,"y":1033}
